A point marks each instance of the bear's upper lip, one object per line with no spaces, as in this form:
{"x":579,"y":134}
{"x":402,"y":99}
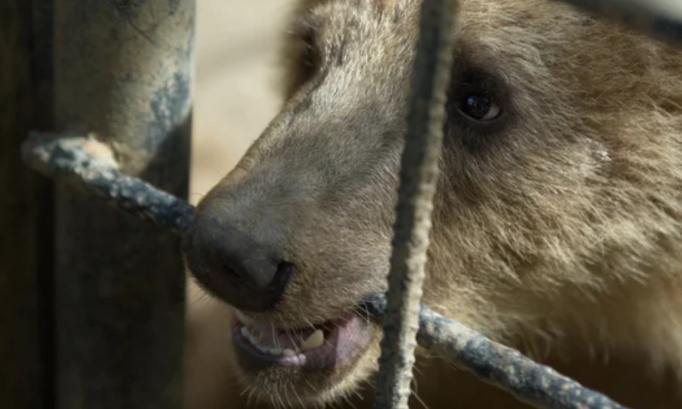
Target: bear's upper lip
{"x":317,"y":346}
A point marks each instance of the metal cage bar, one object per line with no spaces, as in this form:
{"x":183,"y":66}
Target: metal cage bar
{"x":122,"y":71}
{"x":418,"y":177}
{"x":26,"y":205}
{"x":79,"y":162}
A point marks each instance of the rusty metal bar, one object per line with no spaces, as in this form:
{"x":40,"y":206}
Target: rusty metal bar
{"x":538,"y":385}
{"x":418,"y":177}
{"x":122,"y":73}
{"x":88,"y":164}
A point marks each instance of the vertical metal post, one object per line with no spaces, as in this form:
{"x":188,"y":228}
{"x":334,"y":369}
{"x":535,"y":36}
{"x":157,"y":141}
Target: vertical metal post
{"x":418,"y":177}
{"x":25,"y":209}
{"x":123,"y":72}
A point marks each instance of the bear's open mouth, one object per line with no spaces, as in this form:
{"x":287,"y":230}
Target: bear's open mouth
{"x":319,"y":346}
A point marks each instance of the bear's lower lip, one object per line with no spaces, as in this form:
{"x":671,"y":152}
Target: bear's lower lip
{"x":266,"y":345}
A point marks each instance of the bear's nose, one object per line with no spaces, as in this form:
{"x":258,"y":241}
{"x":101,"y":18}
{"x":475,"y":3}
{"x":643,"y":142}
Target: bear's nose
{"x":244,"y":272}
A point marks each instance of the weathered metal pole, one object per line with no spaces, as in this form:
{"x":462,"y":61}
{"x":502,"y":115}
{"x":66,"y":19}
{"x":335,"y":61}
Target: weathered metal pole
{"x":122,"y":73}
{"x":418,"y":177}
{"x":25,"y":209}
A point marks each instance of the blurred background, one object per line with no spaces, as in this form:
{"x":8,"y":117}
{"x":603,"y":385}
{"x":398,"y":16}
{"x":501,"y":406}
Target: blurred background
{"x":236,"y":82}
{"x":235,"y":97}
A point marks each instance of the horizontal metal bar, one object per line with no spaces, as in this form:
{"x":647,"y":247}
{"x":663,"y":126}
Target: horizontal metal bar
{"x":88,"y":164}
{"x":658,"y":18}
{"x":498,"y":365}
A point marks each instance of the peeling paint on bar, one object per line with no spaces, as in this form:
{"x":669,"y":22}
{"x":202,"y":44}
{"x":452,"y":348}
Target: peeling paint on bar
{"x":90,"y":164}
{"x":498,"y":365}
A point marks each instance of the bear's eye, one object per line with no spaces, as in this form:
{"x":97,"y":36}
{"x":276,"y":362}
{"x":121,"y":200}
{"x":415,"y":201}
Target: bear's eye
{"x":479,"y":107}
{"x":478,"y":102}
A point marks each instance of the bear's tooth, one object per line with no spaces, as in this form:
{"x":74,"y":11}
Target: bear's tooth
{"x":253,"y":338}
{"x":315,"y":340}
{"x":245,"y":320}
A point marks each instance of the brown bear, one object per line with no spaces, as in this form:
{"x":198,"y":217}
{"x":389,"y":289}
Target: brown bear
{"x":557,"y":220}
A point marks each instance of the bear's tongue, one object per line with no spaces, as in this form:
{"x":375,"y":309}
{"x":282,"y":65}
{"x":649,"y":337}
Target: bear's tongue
{"x":275,"y":341}
{"x":318,"y":346}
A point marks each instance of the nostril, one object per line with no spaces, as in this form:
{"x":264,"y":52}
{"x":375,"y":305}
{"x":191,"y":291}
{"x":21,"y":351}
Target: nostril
{"x":283,"y":274}
{"x":243,"y":291}
{"x":233,"y":275}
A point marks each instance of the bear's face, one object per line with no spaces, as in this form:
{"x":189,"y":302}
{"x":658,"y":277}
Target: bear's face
{"x":555,"y":183}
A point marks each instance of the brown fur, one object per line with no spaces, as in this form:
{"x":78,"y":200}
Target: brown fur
{"x":556,"y":231}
